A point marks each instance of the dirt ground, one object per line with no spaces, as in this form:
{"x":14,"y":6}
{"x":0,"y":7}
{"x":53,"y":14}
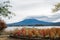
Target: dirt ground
{"x":5,"y":37}
{"x":18,"y":39}
{"x":9,"y":38}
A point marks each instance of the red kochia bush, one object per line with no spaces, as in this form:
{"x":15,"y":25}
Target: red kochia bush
{"x":34,"y":32}
{"x":2,"y":24}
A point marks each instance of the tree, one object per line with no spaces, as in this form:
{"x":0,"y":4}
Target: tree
{"x":5,"y":12}
{"x":57,"y":7}
{"x":4,"y":9}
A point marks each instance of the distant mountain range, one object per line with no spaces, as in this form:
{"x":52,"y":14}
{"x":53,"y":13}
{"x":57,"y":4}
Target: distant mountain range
{"x":33,"y":22}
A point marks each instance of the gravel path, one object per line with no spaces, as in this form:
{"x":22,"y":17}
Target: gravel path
{"x":8,"y":38}
{"x":5,"y":37}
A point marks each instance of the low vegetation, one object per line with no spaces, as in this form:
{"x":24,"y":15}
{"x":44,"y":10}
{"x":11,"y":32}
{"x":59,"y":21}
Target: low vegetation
{"x":34,"y":32}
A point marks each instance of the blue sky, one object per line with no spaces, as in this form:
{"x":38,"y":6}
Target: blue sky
{"x":40,"y":9}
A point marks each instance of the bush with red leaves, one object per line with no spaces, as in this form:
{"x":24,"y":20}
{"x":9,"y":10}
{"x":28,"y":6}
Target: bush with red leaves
{"x":2,"y":25}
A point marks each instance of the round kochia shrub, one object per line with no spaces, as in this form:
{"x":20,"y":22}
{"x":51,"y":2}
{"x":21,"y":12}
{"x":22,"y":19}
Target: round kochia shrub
{"x":34,"y":32}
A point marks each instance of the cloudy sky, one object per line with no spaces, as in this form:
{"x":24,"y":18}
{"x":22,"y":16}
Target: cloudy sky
{"x":40,"y":9}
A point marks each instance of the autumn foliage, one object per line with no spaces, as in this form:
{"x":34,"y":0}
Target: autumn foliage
{"x":34,"y":32}
{"x":2,"y":25}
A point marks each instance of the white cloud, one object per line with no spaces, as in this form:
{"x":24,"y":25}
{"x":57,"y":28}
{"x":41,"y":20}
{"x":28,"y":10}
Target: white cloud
{"x":24,"y":8}
{"x":51,"y":18}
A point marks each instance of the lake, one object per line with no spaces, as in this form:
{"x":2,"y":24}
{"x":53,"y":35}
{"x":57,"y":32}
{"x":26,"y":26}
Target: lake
{"x":39,"y":27}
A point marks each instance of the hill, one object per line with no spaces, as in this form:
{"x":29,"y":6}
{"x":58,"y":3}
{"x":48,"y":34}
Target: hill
{"x":33,"y":22}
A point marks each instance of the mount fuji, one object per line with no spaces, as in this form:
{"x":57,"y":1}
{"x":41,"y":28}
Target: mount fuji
{"x":33,"y":22}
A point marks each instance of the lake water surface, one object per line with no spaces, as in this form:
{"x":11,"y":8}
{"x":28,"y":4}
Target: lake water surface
{"x":39,"y":27}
